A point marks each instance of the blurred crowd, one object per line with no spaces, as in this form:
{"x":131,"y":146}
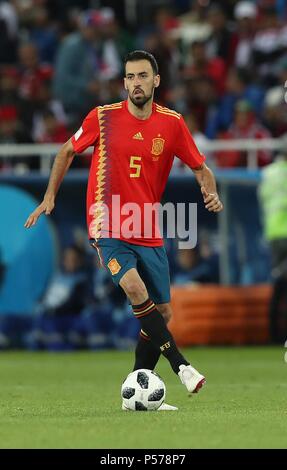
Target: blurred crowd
{"x":223,"y":65}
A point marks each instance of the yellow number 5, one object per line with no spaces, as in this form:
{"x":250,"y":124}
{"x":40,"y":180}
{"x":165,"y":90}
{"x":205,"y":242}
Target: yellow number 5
{"x":136,"y":166}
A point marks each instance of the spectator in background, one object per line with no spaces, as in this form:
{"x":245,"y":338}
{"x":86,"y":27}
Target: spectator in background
{"x":12,"y":132}
{"x":221,"y":42}
{"x":197,"y":135}
{"x":106,"y":322}
{"x":160,"y":37}
{"x":32,"y":74}
{"x":193,"y":24}
{"x":275,"y":115}
{"x":116,"y":41}
{"x":44,"y":104}
{"x":93,"y":329}
{"x":67,"y":291}
{"x":273,"y":198}
{"x":53,"y":131}
{"x":200,"y":140}
{"x":198,"y":265}
{"x":282,"y":72}
{"x":200,"y":66}
{"x":245,"y":13}
{"x":87,"y":60}
{"x":114,"y":90}
{"x":200,"y":100}
{"x":64,"y":12}
{"x":269,"y":45}
{"x":275,"y":105}
{"x":43,"y":34}
{"x":162,"y":47}
{"x":239,"y":86}
{"x":9,"y":78}
{"x":78,"y":67}
{"x":112,"y":313}
{"x":281,"y":8}
{"x":62,"y":304}
{"x":244,"y":126}
{"x":8,"y":33}
{"x":9,"y":125}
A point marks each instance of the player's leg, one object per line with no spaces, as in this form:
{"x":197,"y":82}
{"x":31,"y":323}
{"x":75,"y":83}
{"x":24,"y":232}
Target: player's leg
{"x":152,"y":322}
{"x":150,"y":262}
{"x":121,"y":260}
{"x":153,"y":267}
{"x":118,"y":259}
{"x":147,"y":353}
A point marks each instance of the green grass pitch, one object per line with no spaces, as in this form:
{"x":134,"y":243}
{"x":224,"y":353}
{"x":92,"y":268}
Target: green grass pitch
{"x":72,"y":400}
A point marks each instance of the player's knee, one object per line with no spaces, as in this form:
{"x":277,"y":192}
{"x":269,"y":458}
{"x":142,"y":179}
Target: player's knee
{"x":135,"y":290}
{"x":165,"y":311}
{"x":167,"y":315}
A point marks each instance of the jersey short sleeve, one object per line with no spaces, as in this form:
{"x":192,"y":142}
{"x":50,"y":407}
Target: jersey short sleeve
{"x":185,"y":147}
{"x":88,"y":133}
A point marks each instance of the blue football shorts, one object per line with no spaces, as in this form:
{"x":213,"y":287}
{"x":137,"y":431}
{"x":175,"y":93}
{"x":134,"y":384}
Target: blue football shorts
{"x":118,"y":256}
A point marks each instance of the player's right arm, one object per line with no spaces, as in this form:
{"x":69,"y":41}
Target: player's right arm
{"x":83,"y":138}
{"x":60,"y":167}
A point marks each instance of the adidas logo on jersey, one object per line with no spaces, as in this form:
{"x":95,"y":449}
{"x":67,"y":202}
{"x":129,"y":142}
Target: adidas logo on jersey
{"x":138,"y":136}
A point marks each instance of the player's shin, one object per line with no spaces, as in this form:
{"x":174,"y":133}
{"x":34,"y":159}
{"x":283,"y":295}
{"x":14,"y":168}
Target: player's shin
{"x":154,"y":326}
{"x":147,"y":353}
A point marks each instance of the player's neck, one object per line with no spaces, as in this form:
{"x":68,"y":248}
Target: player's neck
{"x":140,"y":113}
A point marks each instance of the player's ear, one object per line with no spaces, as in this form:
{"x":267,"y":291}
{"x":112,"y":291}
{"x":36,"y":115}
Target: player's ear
{"x":156,"y":81}
{"x":125,"y":83}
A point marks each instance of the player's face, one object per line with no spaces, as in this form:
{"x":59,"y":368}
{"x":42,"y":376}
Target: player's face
{"x":140,"y":82}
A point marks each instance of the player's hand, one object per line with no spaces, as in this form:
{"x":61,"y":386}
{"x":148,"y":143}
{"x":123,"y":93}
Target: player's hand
{"x":46,"y":207}
{"x":211,"y":201}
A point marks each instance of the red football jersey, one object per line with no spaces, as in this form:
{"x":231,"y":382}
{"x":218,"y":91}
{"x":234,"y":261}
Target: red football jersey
{"x":130,"y":166}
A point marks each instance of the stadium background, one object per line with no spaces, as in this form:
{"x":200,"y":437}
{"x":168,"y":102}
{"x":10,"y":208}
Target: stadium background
{"x":224,"y":67}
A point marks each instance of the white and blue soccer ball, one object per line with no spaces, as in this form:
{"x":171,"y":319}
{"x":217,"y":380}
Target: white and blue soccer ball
{"x":143,"y":390}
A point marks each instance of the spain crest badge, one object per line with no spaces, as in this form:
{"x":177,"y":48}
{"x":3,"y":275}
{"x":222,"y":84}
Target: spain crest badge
{"x":157,"y":146}
{"x":114,"y":266}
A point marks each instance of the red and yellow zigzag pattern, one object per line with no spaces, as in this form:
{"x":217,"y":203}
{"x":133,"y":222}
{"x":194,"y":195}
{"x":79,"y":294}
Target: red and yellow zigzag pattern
{"x":101,"y":173}
{"x":167,"y":111}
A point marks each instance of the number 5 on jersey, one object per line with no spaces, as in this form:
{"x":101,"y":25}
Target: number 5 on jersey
{"x":135,"y":165}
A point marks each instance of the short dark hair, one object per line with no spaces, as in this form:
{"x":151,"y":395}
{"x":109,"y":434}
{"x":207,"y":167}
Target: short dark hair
{"x":142,"y":55}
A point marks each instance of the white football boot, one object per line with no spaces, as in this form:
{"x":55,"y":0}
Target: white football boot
{"x":191,"y":378}
{"x":163,"y":407}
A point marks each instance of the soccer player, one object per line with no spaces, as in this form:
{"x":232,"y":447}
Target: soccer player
{"x":135,"y":142}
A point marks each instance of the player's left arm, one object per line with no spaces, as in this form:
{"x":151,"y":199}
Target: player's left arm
{"x":187,"y":151}
{"x":207,"y":183}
